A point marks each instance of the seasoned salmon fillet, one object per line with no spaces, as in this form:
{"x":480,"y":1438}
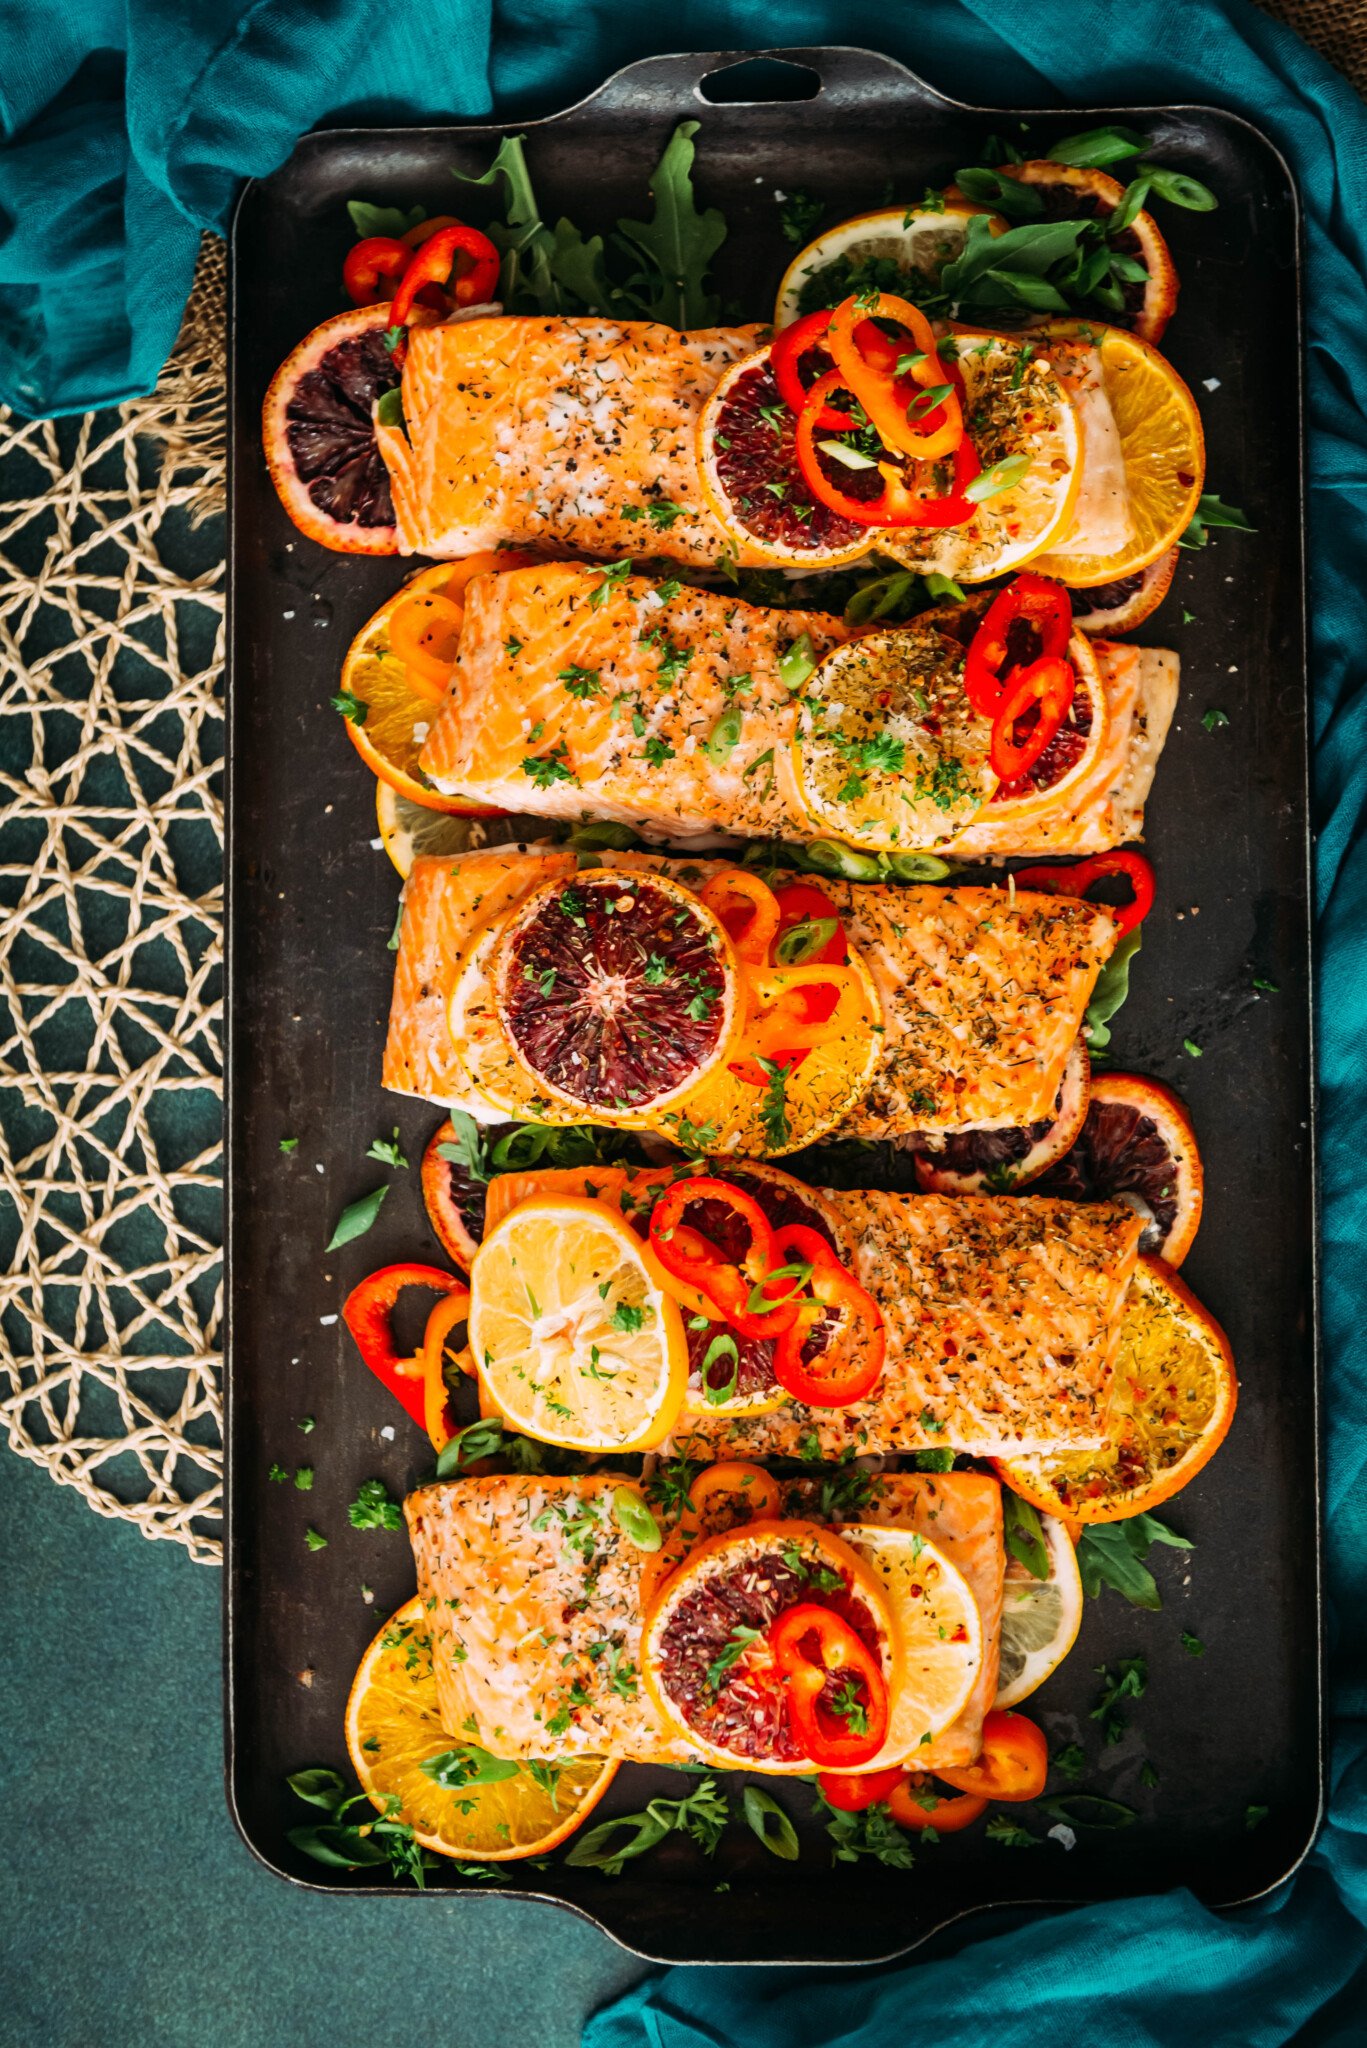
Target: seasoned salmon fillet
{"x":578,"y":693}
{"x":982,"y":991}
{"x":577,"y":432}
{"x":1002,"y":1316}
{"x":534,"y":1596}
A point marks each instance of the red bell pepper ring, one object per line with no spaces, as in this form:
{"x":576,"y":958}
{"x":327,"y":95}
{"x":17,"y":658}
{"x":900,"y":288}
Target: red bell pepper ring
{"x":368,"y":1313}
{"x":895,"y":505}
{"x":735,"y":1287}
{"x":848,"y":1365}
{"x":859,"y":1790}
{"x":1048,"y":682}
{"x":786,"y":351}
{"x":373,"y":268}
{"x":1043,"y":604}
{"x":434,"y":262}
{"x":812,"y":1645}
{"x":1012,"y":1764}
{"x":1077,"y":877}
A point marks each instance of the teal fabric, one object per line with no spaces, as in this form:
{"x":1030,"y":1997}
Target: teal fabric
{"x":128,"y":128}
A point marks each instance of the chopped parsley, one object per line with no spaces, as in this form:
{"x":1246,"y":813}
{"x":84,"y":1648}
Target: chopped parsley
{"x":581,"y":682}
{"x":545,"y":769}
{"x":373,"y":1507}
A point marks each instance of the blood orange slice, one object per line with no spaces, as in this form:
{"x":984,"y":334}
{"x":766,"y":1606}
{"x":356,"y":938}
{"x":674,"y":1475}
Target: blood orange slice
{"x":318,"y":427}
{"x":995,"y":1162}
{"x":618,"y":994}
{"x":453,"y":1194}
{"x":1071,"y":193}
{"x":1114,"y":608}
{"x":1071,"y":754}
{"x":748,"y":464}
{"x":1173,"y":1401}
{"x":1136,"y":1145}
{"x":704,"y":1656}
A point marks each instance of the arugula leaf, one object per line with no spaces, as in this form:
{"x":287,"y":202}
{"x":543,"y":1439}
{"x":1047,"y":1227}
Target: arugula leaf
{"x":679,"y":241}
{"x":1112,"y":1554}
{"x":1127,"y":1681}
{"x":1111,"y":990}
{"x":357,"y":1218}
{"x":383,"y":220}
{"x":526,"y":281}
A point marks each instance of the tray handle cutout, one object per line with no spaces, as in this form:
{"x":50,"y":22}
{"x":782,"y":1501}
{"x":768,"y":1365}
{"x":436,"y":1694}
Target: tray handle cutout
{"x":756,"y":79}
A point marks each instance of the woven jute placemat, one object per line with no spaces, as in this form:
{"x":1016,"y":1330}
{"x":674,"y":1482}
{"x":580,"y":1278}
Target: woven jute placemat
{"x":111,"y":846}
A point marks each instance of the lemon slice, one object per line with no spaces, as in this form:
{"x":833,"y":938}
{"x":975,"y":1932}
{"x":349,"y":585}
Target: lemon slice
{"x":1040,"y":1617}
{"x":393,"y":1728}
{"x":909,"y":246}
{"x":574,"y":1339}
{"x":939,"y":1631}
{"x":1017,"y":406}
{"x":1162,"y":447}
{"x":409,"y":830}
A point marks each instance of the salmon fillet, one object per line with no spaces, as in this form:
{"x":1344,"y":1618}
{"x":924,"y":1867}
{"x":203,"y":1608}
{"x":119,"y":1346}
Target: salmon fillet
{"x":579,"y":432}
{"x":534,"y":1595}
{"x":663,"y":707}
{"x":982,"y":991}
{"x":1002,"y":1316}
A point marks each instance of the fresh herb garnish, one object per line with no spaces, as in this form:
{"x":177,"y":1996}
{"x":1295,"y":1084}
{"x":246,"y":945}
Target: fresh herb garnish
{"x":1112,"y":1554}
{"x":388,"y":1151}
{"x":1110,"y":992}
{"x":731,"y":1652}
{"x":702,"y":1816}
{"x":1024,"y":1534}
{"x":546,"y":769}
{"x":373,"y":1507}
{"x":773,"y":1114}
{"x":767,"y":1819}
{"x":1212,"y":511}
{"x":357,"y":1218}
{"x":580,"y":682}
{"x":1124,"y":1681}
{"x":351,"y":707}
{"x":352,"y":1845}
{"x":870,"y":1833}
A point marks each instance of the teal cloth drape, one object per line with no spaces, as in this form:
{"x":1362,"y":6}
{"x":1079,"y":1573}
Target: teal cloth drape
{"x":128,"y":127}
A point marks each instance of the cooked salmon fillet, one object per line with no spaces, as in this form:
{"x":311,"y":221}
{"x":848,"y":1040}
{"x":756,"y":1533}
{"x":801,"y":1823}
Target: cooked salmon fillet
{"x":982,"y":991}
{"x":579,"y":432}
{"x":535,"y":1603}
{"x":1002,"y":1315}
{"x":578,"y":694}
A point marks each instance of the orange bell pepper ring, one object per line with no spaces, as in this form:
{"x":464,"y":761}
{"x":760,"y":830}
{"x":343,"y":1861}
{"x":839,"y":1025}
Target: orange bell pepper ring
{"x":747,"y":909}
{"x":438,"y":1418}
{"x":895,"y":401}
{"x":837,"y":1696}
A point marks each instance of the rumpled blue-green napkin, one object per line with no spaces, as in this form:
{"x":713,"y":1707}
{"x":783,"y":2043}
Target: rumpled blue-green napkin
{"x":128,"y":125}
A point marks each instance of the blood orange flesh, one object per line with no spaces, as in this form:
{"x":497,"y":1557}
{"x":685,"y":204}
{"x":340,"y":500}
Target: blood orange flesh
{"x":616,"y":992}
{"x":320,"y":438}
{"x":975,"y":1162}
{"x":1137,"y":1145}
{"x":756,"y":466}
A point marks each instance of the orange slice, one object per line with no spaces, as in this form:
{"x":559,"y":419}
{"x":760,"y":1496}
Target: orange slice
{"x":1172,"y":1403}
{"x":1162,"y":447}
{"x":394,"y":1728}
{"x":907,"y":247}
{"x":575,"y":1340}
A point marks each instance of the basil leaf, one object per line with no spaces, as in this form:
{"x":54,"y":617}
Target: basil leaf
{"x":805,"y":940}
{"x":1148,"y":1529}
{"x":1009,"y":196}
{"x":635,"y":1520}
{"x":1097,"y":147}
{"x":772,"y":1825}
{"x":1088,"y":1810}
{"x":526,"y":282}
{"x":1024,"y":1534}
{"x":1025,"y":251}
{"x":1180,"y":190}
{"x":467,"y":1764}
{"x":724,"y":737}
{"x":318,"y":1788}
{"x":383,"y":220}
{"x":1111,"y":990}
{"x":1002,"y":476}
{"x":482,"y":1439}
{"x":357,"y":1218}
{"x":593,"y":1851}
{"x":341,"y":1848}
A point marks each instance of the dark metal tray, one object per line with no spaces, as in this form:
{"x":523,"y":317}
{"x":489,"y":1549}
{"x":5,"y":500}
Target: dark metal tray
{"x":311,"y":908}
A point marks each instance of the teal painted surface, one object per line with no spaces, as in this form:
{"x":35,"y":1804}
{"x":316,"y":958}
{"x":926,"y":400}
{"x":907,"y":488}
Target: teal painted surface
{"x":129,"y":1910}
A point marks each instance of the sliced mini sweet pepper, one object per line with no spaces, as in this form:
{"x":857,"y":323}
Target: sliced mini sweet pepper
{"x":368,"y":1313}
{"x":849,"y":1360}
{"x":1075,"y":878}
{"x":837,"y":1697}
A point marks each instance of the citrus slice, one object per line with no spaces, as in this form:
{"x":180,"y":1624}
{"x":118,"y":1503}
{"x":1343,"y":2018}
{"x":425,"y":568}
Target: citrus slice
{"x":393,"y":1728}
{"x":704,"y":1654}
{"x":1070,"y":192}
{"x":318,"y":428}
{"x":900,"y":249}
{"x":1173,"y":1398}
{"x":747,"y":460}
{"x":574,"y":1339}
{"x":409,"y":830}
{"x":453,"y":1195}
{"x":392,"y":710}
{"x":1161,"y":445}
{"x":1112,"y":608}
{"x":889,"y":753}
{"x":998,"y":1162}
{"x":1040,"y":1617}
{"x":1016,"y":406}
{"x":619,"y":993}
{"x":497,"y":1076}
{"x":939,"y":1629}
{"x":1071,"y":755}
{"x":723,"y":1114}
{"x":1137,"y":1145}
